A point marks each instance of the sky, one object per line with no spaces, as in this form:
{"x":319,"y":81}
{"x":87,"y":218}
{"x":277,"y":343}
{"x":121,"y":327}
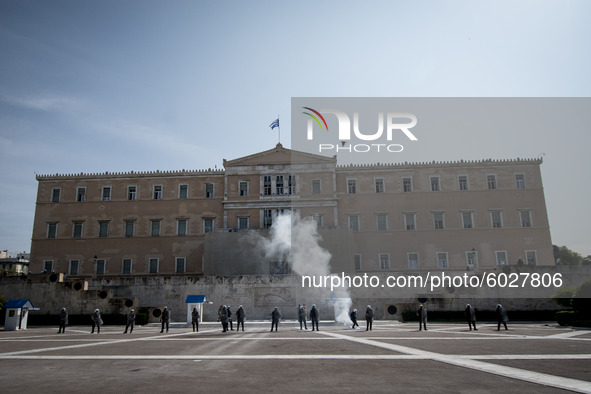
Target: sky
{"x":153,"y":85}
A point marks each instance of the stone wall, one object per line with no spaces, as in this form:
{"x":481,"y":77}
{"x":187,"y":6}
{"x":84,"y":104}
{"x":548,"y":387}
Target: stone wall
{"x":259,"y":294}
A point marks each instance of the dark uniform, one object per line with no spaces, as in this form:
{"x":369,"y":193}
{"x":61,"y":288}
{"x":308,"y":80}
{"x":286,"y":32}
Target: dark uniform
{"x":501,"y":317}
{"x":422,"y":314}
{"x":224,"y":318}
{"x":130,"y":322}
{"x":314,"y":317}
{"x":63,"y":321}
{"x":165,"y":318}
{"x":470,"y":317}
{"x":369,"y":318}
{"x":275,"y":316}
{"x":302,"y":317}
{"x":353,"y":317}
{"x":195,"y":319}
{"x":240,"y":315}
{"x":97,"y":321}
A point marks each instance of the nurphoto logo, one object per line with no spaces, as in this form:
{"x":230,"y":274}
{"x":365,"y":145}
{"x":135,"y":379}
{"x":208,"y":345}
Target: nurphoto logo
{"x":395,"y":122}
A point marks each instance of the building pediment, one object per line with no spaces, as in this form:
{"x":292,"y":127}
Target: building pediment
{"x":279,"y":156}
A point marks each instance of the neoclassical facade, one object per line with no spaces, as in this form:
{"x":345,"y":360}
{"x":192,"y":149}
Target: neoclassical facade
{"x":464,"y":215}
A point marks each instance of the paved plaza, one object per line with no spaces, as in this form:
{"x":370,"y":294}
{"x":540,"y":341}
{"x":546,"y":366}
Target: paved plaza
{"x":394,"y":357}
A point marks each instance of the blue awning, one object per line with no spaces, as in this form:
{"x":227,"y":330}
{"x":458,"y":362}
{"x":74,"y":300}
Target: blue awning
{"x":195,"y":299}
{"x":16,"y":303}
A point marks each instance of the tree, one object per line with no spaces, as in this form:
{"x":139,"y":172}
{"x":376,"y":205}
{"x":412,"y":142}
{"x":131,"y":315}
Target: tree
{"x":564,"y":296}
{"x":567,"y":256}
{"x":582,"y":300}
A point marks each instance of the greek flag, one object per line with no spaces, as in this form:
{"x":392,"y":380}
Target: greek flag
{"x":274,"y":124}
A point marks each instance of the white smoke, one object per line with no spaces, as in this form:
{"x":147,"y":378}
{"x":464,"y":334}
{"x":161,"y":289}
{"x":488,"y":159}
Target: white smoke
{"x":297,"y":242}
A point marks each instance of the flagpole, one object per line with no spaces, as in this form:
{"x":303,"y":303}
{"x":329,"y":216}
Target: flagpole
{"x":279,"y":127}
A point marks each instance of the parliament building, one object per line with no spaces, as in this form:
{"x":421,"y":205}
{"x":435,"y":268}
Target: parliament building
{"x":452,"y":216}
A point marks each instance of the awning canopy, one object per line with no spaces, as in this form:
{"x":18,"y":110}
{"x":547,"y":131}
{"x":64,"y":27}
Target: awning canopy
{"x":19,"y":303}
{"x":195,"y":299}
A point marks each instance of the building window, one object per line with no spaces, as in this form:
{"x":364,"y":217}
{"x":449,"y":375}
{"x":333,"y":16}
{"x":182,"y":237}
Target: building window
{"x":357,"y":260}
{"x":530,"y":257}
{"x":384,"y":261}
{"x":351,"y":186}
{"x":472,"y":259}
{"x":525,"y":217}
{"x":242,"y":223}
{"x":126,"y":266}
{"x":407,"y":184}
{"x":467,"y":220}
{"x":209,"y":190}
{"x":267,"y":218}
{"x":55,"y":195}
{"x":501,"y":257}
{"x":207,"y":225}
{"x":77,"y":230}
{"x":316,"y":186}
{"x":279,"y":185}
{"x":267,"y":186}
{"x":181,"y":227}
{"x":463,"y":182}
{"x":74,"y":264}
{"x":442,"y":260}
{"x":183,"y":191}
{"x":438,"y":220}
{"x":435,"y":187}
{"x":155,"y":228}
{"x":491,"y":181}
{"x":47,"y":266}
{"x":496,"y":219}
{"x":410,"y":221}
{"x":180,"y":265}
{"x":354,"y":222}
{"x":243,"y":187}
{"x":51,"y":230}
{"x":106,"y":193}
{"x":103,"y":229}
{"x":153,"y":266}
{"x":382,"y":221}
{"x":520,"y":181}
{"x":129,"y":228}
{"x":157,"y":192}
{"x":291,"y":184}
{"x":379,"y":185}
{"x":81,"y":194}
{"x":131,"y":192}
{"x":101,"y":266}
{"x":413,"y":261}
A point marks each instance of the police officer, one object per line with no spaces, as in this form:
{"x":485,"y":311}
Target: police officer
{"x":165,"y":318}
{"x":314,"y":317}
{"x":369,"y":318}
{"x":275,"y":316}
{"x":302,"y":316}
{"x":240,"y":315}
{"x":63,"y":321}
{"x":422,"y":314}
{"x":96,"y":321}
{"x":130,"y":321}
{"x":470,"y":314}
{"x":195,"y":319}
{"x":353,"y":317}
{"x":224,"y":318}
{"x":501,"y":317}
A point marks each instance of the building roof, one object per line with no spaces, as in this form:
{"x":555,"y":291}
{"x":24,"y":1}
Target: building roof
{"x":279,"y":155}
{"x":195,"y":299}
{"x":18,"y":303}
